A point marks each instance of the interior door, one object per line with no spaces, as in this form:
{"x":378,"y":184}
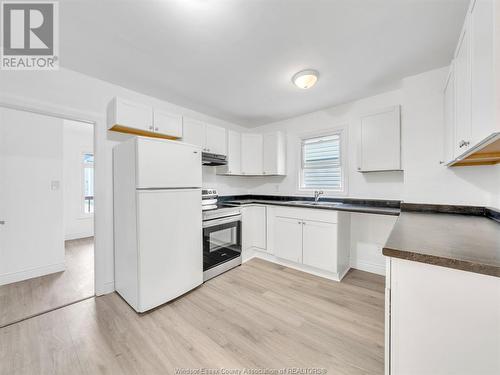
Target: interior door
{"x":288,"y":238}
{"x":320,"y":245}
{"x":170,"y":244}
{"x":31,"y":195}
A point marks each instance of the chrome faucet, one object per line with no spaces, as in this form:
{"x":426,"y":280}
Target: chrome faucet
{"x":317,"y":194}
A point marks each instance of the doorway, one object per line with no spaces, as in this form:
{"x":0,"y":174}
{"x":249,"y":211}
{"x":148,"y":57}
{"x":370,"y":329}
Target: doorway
{"x":46,"y":213}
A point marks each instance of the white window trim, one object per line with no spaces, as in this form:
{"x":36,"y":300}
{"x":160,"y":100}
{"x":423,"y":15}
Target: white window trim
{"x":83,"y":214}
{"x":340,"y":130}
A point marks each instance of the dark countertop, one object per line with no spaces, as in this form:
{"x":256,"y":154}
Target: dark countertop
{"x":364,"y":207}
{"x":464,"y":242}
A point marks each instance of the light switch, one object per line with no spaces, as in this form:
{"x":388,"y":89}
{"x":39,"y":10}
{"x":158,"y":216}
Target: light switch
{"x":55,"y":184}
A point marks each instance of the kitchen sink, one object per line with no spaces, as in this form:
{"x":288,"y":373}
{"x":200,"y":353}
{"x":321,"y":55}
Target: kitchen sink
{"x":312,"y":203}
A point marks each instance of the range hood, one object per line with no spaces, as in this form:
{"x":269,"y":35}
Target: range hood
{"x":213,"y":159}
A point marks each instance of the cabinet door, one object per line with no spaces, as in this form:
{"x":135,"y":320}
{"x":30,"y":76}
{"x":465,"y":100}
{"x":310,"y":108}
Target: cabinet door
{"x":482,"y":70}
{"x":233,"y":152}
{"x":255,"y":227}
{"x":463,"y":91}
{"x":380,"y":141}
{"x":130,"y":114}
{"x":288,"y":238}
{"x":449,"y":117}
{"x":216,"y":140}
{"x":320,"y":245}
{"x":274,"y":153}
{"x":194,"y":132}
{"x":167,"y":123}
{"x":251,"y":154}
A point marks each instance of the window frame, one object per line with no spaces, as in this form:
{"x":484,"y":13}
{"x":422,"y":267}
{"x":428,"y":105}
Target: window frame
{"x":82,"y":173}
{"x":341,"y":131}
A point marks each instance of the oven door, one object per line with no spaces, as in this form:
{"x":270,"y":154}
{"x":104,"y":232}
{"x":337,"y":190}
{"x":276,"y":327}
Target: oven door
{"x":221,"y":241}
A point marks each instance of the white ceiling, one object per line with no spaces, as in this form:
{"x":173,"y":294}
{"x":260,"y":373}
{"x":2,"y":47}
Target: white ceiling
{"x":234,"y":59}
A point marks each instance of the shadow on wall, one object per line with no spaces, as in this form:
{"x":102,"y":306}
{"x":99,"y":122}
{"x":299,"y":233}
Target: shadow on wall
{"x":396,"y":177}
{"x":486,"y":178}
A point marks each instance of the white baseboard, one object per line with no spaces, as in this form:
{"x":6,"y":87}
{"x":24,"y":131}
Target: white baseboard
{"x":76,"y":236}
{"x":30,"y":273}
{"x":368,"y":267}
{"x":296,"y":266}
{"x":106,"y":288}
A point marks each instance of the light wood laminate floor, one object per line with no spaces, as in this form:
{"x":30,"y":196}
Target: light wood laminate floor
{"x":259,"y":315}
{"x":40,"y":294}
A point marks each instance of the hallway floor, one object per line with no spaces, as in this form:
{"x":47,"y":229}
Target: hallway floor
{"x":30,"y":297}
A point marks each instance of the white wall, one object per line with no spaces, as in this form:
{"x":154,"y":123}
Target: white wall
{"x":85,"y":98}
{"x":31,"y":199}
{"x":78,"y":139}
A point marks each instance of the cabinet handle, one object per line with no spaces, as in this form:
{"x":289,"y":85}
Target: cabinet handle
{"x":156,"y":129}
{"x":150,"y":128}
{"x":2,"y":222}
{"x":299,"y":222}
{"x":463,"y":143}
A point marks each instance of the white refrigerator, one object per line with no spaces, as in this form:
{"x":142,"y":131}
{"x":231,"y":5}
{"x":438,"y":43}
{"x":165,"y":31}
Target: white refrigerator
{"x":157,"y":220}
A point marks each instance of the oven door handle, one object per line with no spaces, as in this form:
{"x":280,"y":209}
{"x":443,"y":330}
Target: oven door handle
{"x":224,"y":220}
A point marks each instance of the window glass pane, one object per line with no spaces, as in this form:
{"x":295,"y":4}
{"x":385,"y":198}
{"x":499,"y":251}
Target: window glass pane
{"x":88,"y":183}
{"x":321,"y":163}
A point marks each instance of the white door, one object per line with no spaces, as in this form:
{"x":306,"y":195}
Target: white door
{"x":167,"y":164}
{"x":194,"y":132}
{"x":31,"y":195}
{"x":288,"y":238}
{"x":233,"y":152}
{"x":167,"y":123}
{"x":170,"y":244}
{"x":251,"y":154}
{"x":320,"y":245}
{"x":216,"y":140}
{"x":463,"y":99}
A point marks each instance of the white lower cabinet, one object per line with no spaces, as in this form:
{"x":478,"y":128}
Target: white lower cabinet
{"x":319,"y":245}
{"x":312,"y":240}
{"x":288,"y":238}
{"x":441,"y":320}
{"x":254,"y":228}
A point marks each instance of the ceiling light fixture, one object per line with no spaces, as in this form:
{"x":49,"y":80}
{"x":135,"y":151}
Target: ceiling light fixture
{"x":305,"y":79}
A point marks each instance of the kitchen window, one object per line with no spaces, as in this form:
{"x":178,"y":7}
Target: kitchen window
{"x":88,"y":183}
{"x":321,"y":163}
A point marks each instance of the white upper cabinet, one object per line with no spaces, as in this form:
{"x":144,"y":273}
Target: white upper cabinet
{"x":194,"y":132}
{"x":481,"y":27}
{"x":167,"y":123}
{"x":472,"y":97}
{"x":252,"y":154}
{"x":210,"y":138}
{"x":380,"y":141}
{"x":233,"y":166}
{"x":463,"y":94}
{"x":215,"y":140}
{"x":274,"y":157}
{"x":449,"y":115}
{"x":136,"y":118}
{"x":128,"y":114}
